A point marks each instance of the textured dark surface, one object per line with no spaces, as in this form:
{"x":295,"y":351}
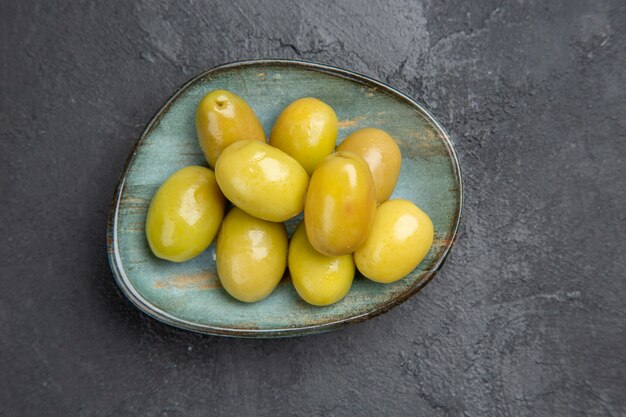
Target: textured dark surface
{"x":527,"y":318}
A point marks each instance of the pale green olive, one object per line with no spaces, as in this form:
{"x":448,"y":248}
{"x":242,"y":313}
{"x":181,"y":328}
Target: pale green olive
{"x":319,"y":279}
{"x":223,"y":118}
{"x":184,"y":214}
{"x":262,"y":180}
{"x":251,"y":255}
{"x":401,"y":237}
{"x":306,"y":130}
{"x":340,"y":204}
{"x":382,"y":155}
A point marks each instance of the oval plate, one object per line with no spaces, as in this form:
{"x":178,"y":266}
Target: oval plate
{"x":189,"y":295}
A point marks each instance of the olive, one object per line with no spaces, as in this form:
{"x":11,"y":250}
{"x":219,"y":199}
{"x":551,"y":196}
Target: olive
{"x":340,"y":204}
{"x":401,"y":237}
{"x":251,"y":255}
{"x":223,"y":118}
{"x":306,"y":130}
{"x":262,"y":180}
{"x":184,"y":214}
{"x":319,"y":279}
{"x":382,"y":155}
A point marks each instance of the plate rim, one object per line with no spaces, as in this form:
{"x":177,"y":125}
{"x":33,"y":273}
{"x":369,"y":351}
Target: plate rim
{"x":150,"y":309}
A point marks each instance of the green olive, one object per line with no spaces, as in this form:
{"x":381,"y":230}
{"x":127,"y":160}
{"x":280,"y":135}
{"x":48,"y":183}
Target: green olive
{"x":382,"y":155}
{"x":184,"y":214}
{"x":340,"y":204}
{"x":262,"y":180}
{"x":320,"y":280}
{"x":306,"y":130}
{"x":251,"y":255}
{"x":401,"y":237}
{"x":223,"y":118}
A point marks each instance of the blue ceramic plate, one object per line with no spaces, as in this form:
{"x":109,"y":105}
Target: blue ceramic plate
{"x":189,"y":295}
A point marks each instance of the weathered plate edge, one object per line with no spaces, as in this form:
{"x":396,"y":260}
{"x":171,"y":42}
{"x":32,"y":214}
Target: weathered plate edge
{"x":153,"y":311}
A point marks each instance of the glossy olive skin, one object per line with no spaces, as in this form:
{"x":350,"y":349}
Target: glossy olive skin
{"x":251,"y":255}
{"x":262,"y":180}
{"x":184,"y":214}
{"x":382,"y":155}
{"x":340,"y":204}
{"x":306,"y":130}
{"x":401,"y":237}
{"x":320,"y":280}
{"x":223,"y":118}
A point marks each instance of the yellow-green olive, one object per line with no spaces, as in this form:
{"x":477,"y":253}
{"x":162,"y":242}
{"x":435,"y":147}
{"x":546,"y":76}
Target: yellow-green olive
{"x":306,"y":130}
{"x":184,"y":214}
{"x":223,"y":118}
{"x":382,"y":155}
{"x":401,"y":237}
{"x":251,"y":255}
{"x":340,"y":204}
{"x":262,"y":180}
{"x":319,"y":279}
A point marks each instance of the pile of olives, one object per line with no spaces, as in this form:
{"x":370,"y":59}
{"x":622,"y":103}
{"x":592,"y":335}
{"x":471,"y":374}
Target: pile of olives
{"x":349,"y":221}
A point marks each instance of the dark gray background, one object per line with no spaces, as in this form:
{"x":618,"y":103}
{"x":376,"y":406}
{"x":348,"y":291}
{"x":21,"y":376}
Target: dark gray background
{"x":527,"y":317}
